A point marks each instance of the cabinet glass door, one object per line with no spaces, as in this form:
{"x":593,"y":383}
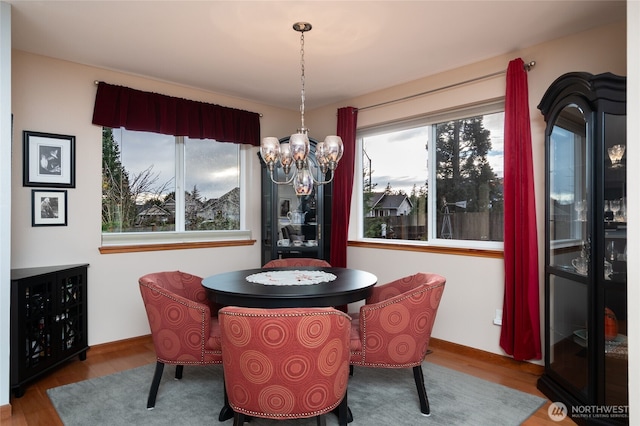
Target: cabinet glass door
{"x":615,"y":261}
{"x":297,"y":221}
{"x":568,"y":211}
{"x":569,"y":243}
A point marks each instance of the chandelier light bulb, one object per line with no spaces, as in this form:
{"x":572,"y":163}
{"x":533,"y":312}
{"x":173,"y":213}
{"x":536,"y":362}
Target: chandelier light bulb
{"x":270,"y":150}
{"x":299,"y":146}
{"x":335,"y":148}
{"x":303,"y":183}
{"x":286,"y":157}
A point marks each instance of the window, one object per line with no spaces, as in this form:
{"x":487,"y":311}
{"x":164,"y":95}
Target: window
{"x":436,"y":179}
{"x":159,"y":184}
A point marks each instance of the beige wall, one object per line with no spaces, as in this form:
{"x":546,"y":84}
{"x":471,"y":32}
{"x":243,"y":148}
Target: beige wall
{"x":57,"y":97}
{"x":475,"y":285}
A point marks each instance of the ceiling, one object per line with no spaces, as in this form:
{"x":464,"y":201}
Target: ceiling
{"x":248,"y":49}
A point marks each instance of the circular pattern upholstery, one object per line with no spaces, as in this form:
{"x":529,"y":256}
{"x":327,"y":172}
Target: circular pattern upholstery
{"x":285,"y":363}
{"x":394,"y":326}
{"x":179,"y":314}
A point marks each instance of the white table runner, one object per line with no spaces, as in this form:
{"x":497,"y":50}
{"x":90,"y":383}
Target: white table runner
{"x":293,"y":277}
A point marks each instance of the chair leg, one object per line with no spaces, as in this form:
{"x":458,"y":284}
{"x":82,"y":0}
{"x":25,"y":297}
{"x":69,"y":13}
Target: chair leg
{"x":179,"y":369}
{"x":351,"y":370}
{"x":422,"y":392}
{"x":226,"y":412}
{"x":321,"y":420}
{"x":155,"y":384}
{"x":343,"y":412}
{"x":238,"y":419}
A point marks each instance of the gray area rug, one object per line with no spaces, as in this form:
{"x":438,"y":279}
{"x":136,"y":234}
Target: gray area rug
{"x":376,"y":397}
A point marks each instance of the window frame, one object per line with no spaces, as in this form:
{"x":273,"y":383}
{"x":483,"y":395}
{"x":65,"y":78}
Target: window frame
{"x":491,"y":106}
{"x":114,"y":242}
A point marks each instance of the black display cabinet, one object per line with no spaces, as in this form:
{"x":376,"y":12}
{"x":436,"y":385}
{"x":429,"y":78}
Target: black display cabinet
{"x":48,"y":320}
{"x":286,"y":216}
{"x":586,"y":361}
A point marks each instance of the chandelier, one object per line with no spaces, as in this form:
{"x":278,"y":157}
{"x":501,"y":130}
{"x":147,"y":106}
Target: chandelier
{"x":296,"y":150}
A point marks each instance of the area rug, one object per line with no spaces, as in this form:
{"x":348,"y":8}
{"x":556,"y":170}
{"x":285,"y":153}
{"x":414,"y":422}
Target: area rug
{"x":376,"y":397}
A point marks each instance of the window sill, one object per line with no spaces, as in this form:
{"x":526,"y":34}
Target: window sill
{"x":156,"y":241}
{"x":173,"y":246}
{"x":495,"y":254}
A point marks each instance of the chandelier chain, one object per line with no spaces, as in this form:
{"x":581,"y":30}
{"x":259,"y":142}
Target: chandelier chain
{"x":302,"y":129}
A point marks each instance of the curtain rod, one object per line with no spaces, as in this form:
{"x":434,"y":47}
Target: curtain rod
{"x":528,"y":66}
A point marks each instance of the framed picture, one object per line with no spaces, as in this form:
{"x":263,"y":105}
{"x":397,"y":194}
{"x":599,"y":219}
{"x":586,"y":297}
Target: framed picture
{"x":48,"y":207}
{"x":49,"y":160}
{"x":285,"y":206}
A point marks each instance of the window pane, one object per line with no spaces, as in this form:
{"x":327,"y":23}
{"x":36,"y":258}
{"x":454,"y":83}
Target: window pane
{"x":469,"y":176}
{"x":455,"y":193}
{"x":212,"y":191}
{"x":395,"y":184}
{"x":138,"y":173}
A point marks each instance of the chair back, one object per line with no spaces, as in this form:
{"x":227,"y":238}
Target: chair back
{"x":179,"y":315}
{"x":179,"y":283}
{"x":297,"y":261}
{"x":285,"y":363}
{"x":396,"y":322}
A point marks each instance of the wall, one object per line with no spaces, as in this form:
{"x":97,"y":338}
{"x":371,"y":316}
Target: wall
{"x":475,"y":285}
{"x":55,"y":96}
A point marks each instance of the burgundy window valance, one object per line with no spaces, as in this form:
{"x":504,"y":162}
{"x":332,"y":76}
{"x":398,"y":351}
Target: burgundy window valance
{"x":118,"y":106}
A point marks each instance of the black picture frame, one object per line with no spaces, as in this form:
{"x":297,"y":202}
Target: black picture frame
{"x":48,"y":207}
{"x":49,"y":160}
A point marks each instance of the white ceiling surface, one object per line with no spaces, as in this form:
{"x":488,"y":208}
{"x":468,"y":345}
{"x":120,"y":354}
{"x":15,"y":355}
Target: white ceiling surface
{"x":248,"y":49}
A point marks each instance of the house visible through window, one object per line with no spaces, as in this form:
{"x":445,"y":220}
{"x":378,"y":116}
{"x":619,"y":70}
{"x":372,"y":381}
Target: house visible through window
{"x":158,"y":183}
{"x":437,"y":179}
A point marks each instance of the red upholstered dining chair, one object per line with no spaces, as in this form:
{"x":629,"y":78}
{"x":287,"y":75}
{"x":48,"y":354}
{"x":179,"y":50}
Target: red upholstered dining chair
{"x":296,"y":261}
{"x":394,"y":326}
{"x":183,"y":329}
{"x":285,"y":363}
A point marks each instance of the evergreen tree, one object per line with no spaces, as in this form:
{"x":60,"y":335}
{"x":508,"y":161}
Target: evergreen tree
{"x":116,"y":195}
{"x":464,"y":172}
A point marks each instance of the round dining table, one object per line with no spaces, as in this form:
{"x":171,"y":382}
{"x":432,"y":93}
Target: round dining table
{"x":235,"y":288}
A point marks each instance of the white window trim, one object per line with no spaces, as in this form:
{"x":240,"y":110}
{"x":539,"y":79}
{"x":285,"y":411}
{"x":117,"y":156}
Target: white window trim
{"x":482,"y":108}
{"x":172,"y":237}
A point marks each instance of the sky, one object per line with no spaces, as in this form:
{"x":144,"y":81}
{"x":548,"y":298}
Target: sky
{"x":405,"y":163}
{"x":213,"y":167}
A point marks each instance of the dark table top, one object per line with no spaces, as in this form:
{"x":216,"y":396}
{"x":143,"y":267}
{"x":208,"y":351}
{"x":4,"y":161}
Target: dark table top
{"x":232,"y":288}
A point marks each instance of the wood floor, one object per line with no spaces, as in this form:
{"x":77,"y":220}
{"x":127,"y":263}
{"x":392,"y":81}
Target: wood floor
{"x":35,"y":409}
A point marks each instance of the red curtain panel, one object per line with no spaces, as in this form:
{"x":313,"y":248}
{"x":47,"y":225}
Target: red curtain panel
{"x":520,"y":333}
{"x":119,"y":106}
{"x":342,"y":187}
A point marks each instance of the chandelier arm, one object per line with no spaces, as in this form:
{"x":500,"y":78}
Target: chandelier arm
{"x":322,"y":182}
{"x":293,"y":175}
